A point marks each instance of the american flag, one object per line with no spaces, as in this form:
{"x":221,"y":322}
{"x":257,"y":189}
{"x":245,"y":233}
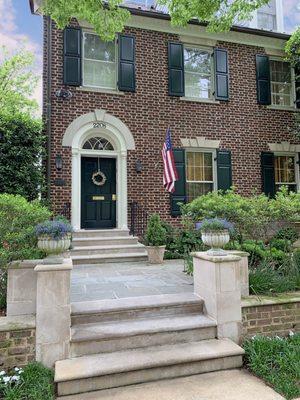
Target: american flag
{"x":170,"y":171}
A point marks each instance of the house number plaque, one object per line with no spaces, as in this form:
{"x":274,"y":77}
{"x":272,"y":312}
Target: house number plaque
{"x":99,"y":125}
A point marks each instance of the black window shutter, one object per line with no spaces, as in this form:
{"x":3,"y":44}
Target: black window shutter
{"x":221,"y":74}
{"x":176,"y":69}
{"x":126,"y":79}
{"x":263,"y":79}
{"x":224,"y":170}
{"x":297,"y":86}
{"x":268,"y":173}
{"x":72,"y":56}
{"x":179,"y":195}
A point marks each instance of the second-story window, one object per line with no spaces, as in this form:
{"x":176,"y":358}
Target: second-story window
{"x":282,"y":92}
{"x":99,"y":62}
{"x":198,"y":73}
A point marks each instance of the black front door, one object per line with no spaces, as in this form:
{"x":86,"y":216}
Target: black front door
{"x":98,"y":193}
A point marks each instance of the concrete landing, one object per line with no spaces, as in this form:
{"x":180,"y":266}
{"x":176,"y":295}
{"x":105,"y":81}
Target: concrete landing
{"x":123,"y":280}
{"x":223,"y":385}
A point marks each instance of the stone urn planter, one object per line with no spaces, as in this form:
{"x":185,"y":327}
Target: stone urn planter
{"x":215,"y":233}
{"x":216,"y":240}
{"x":54,"y":247}
{"x":54,"y":238}
{"x":156,"y":254}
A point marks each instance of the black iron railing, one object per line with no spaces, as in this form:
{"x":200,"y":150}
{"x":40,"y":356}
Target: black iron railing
{"x":66,"y":211}
{"x":138,"y":219}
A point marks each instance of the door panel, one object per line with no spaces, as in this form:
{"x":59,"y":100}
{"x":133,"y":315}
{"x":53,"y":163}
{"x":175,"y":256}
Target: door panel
{"x":98,"y":209}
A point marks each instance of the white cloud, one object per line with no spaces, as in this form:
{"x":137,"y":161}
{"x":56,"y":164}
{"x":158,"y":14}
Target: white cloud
{"x":13,"y":41}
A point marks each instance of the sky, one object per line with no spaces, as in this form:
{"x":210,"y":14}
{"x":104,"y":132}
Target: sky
{"x":19,"y":29}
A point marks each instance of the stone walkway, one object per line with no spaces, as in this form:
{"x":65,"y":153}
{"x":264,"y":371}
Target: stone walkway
{"x":223,"y":385}
{"x":121,"y":280}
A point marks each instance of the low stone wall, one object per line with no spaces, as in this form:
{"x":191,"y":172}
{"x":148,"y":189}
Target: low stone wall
{"x":17,"y":341}
{"x":271,"y":315}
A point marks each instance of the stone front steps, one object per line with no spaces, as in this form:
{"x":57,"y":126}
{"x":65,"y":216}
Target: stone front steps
{"x":107,"y":245}
{"x":126,"y":341}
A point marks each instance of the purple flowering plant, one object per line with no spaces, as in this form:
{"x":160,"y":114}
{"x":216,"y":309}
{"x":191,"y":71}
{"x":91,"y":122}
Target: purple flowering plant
{"x":215,"y":224}
{"x":56,"y":229}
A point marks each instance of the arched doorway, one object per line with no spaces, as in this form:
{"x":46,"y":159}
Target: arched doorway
{"x":99,"y":144}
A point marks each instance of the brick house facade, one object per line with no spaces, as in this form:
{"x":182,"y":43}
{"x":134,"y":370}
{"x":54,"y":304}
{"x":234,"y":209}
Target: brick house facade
{"x":239,"y":125}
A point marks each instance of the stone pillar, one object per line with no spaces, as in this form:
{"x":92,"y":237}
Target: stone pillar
{"x":244,"y":270}
{"x":53,"y":312}
{"x":217,"y":281}
{"x":21,"y":287}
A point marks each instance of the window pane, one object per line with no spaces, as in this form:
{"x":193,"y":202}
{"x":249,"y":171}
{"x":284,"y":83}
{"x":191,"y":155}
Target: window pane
{"x":197,"y":85}
{"x":99,"y":74}
{"x":195,"y":190}
{"x":96,"y":49}
{"x":199,"y":167}
{"x":281,"y":83}
{"x":197,"y":61}
{"x":266,"y":21}
{"x":284,"y":170}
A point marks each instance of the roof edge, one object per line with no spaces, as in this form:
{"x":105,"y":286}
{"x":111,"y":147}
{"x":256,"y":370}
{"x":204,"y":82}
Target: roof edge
{"x":235,"y":28}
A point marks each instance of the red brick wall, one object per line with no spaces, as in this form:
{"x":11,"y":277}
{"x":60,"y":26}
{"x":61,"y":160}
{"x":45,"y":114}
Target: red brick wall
{"x":271,"y":319}
{"x":241,"y":124}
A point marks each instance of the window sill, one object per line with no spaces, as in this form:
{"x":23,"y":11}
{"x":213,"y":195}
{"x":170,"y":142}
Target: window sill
{"x":283,"y":108}
{"x":195,"y":99}
{"x":99,"y":90}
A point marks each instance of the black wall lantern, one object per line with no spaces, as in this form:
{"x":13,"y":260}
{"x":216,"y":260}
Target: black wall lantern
{"x":58,"y":162}
{"x":138,"y":166}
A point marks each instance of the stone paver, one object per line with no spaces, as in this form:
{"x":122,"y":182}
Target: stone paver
{"x":121,"y":280}
{"x":223,"y":385}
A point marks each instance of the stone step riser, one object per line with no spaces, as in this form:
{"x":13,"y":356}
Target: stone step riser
{"x":100,"y":233}
{"x":109,"y":259}
{"x":104,"y":242}
{"x":146,"y":375}
{"x":108,"y":345}
{"x":151,"y":312}
{"x":127,"y":250}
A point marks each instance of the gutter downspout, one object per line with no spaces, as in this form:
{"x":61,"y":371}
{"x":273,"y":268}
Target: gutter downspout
{"x":49,"y":75}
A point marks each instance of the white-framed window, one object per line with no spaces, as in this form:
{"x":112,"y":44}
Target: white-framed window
{"x":198,"y":72}
{"x":286,"y":171}
{"x":266,"y":17}
{"x":99,"y":62}
{"x":282,"y":83}
{"x":200,"y":172}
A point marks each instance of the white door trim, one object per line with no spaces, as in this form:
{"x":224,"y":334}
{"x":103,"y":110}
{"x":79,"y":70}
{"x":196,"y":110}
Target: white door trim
{"x":99,"y":123}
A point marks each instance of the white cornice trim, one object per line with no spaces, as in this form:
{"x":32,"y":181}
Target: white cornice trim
{"x":284,"y":147}
{"x":200,"y":142}
{"x":200,"y":32}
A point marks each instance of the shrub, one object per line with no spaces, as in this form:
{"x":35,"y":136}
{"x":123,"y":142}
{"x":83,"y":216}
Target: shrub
{"x":34,"y":382}
{"x":21,"y":150}
{"x":256,"y":217}
{"x":156,"y":234}
{"x":288,"y":233}
{"x":276,"y":360}
{"x":17,"y":237}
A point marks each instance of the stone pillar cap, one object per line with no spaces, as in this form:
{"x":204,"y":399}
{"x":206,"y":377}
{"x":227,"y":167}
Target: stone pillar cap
{"x":65,"y":266}
{"x":216,"y":259}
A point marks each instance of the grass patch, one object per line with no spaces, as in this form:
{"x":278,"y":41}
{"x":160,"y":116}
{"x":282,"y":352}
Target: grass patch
{"x":34,"y":382}
{"x":277,"y":361}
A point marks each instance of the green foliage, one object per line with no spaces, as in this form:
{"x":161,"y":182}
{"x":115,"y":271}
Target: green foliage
{"x":276,"y":360}
{"x":287,"y":233}
{"x":17,"y":236}
{"x":17,"y":83}
{"x":256,"y":217}
{"x":156,"y":234}
{"x":107,"y":18}
{"x":292,"y":48}
{"x":36,"y":383}
{"x":21,"y":149}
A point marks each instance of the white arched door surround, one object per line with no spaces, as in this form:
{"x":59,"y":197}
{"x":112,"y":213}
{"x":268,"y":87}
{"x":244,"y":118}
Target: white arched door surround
{"x":99,"y":123}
